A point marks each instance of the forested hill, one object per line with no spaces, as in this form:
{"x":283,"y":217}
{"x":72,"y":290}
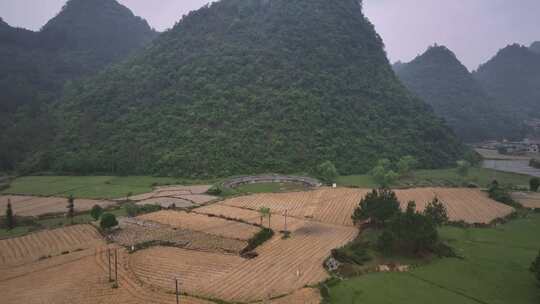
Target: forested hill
{"x":440,"y":79}
{"x":512,"y":78}
{"x":82,"y":39}
{"x":246,"y":87}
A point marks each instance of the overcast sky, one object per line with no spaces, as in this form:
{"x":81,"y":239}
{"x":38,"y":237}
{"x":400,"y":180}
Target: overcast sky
{"x":473,"y":29}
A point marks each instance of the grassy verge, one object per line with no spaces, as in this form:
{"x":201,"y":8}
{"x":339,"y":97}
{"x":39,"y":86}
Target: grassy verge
{"x":93,"y":187}
{"x":442,"y":177}
{"x":271,"y":187}
{"x":494,"y":270}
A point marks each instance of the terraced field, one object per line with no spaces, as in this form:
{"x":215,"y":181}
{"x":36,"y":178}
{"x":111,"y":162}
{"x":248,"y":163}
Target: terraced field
{"x":283,"y":266}
{"x":181,"y":196}
{"x":202,"y":223}
{"x":29,"y":248}
{"x":35,"y":206}
{"x":335,"y":206}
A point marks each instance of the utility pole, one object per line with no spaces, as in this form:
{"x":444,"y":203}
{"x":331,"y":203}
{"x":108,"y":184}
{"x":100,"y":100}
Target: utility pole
{"x":177,"y":291}
{"x":286,"y":211}
{"x":109,"y":257}
{"x":116,"y":265}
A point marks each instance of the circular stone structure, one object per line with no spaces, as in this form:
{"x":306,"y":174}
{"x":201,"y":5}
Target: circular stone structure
{"x":270,"y":178}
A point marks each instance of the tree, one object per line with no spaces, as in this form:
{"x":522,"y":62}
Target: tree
{"x":409,"y":233}
{"x":128,"y":195}
{"x":132,"y":210}
{"x":383,"y":174}
{"x":378,"y":206}
{"x":437,"y":212}
{"x":463,"y":167}
{"x":535,"y":267}
{"x":71,"y":208}
{"x":265,"y":212}
{"x":534,"y":184}
{"x":96,"y":212}
{"x":108,"y":221}
{"x":327,"y":172}
{"x":406,"y":164}
{"x":10,"y":217}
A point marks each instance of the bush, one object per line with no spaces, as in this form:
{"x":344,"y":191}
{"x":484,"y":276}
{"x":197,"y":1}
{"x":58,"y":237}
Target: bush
{"x":463,"y":167}
{"x":108,"y":221}
{"x":406,"y":164}
{"x":327,"y":172}
{"x":378,"y":206}
{"x":534,"y":163}
{"x":355,"y":253}
{"x":502,"y":195}
{"x":534,"y":184}
{"x":215,"y":190}
{"x":96,"y":212}
{"x":258,"y":239}
{"x":535,"y":267}
{"x":133,"y":210}
{"x":383,"y":174}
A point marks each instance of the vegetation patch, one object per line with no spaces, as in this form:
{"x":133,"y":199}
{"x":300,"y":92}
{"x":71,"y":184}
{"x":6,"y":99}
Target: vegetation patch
{"x":257,"y":240}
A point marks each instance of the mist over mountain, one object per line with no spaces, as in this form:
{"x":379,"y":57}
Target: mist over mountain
{"x":440,"y":79}
{"x":250,"y":86}
{"x":82,"y":39}
{"x":512,"y":78}
{"x":535,"y":47}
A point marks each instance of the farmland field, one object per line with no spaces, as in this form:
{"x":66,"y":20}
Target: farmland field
{"x":203,"y":223}
{"x":202,"y":248}
{"x":93,"y":187}
{"x":527,"y":199}
{"x":35,"y":205}
{"x":335,"y":206}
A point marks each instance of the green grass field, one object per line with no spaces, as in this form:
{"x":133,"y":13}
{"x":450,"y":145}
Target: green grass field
{"x":270,"y":187}
{"x":105,"y":187}
{"x":494,"y":271}
{"x":442,"y":177}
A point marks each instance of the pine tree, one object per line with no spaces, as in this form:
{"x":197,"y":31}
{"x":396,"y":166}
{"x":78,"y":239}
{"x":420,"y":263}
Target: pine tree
{"x":10,"y":217}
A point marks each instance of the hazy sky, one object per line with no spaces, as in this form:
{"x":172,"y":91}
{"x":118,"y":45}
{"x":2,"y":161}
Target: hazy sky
{"x":473,"y":29}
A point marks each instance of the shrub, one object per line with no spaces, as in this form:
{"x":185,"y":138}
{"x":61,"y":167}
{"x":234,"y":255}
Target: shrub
{"x":96,"y":212}
{"x":355,"y":253}
{"x":501,"y":195}
{"x":327,"y":172}
{"x":534,"y":163}
{"x":436,"y":211}
{"x":383,"y":174}
{"x":463,"y":167}
{"x":133,"y":210}
{"x":535,"y":267}
{"x":378,"y":206}
{"x":215,"y":190}
{"x":108,"y":221}
{"x":406,"y":164}
{"x":71,"y":208}
{"x":258,"y":239}
{"x":534,"y":184}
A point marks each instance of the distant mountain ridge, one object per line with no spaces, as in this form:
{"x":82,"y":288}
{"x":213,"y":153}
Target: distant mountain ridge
{"x":512,"y":79}
{"x":254,"y":86}
{"x":440,"y":79}
{"x":535,"y":47}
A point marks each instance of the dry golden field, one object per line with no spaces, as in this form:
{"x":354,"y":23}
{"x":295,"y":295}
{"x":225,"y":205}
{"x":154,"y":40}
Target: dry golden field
{"x":35,"y":205}
{"x":202,"y":223}
{"x":335,"y":206}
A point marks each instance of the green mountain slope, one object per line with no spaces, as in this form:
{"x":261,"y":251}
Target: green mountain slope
{"x":251,"y":86}
{"x":512,"y":78}
{"x":82,"y":39}
{"x":439,"y":78}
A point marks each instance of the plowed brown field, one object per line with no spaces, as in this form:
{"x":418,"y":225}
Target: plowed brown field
{"x":282,"y":267}
{"x":203,"y":223}
{"x":34,"y":205}
{"x":336,"y":206}
{"x":29,"y":248}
